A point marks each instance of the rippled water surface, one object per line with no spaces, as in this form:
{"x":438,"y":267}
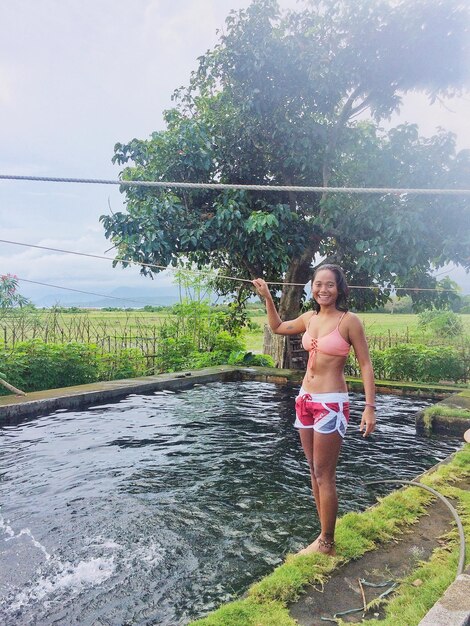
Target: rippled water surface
{"x":158,"y":508}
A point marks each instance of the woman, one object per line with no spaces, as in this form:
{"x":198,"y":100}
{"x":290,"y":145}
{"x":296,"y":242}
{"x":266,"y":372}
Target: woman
{"x":322,"y":406}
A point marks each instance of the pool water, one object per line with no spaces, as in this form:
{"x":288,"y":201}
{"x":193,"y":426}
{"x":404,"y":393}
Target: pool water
{"x":157,"y":509}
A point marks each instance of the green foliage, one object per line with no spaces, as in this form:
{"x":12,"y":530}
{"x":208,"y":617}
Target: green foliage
{"x":198,"y":360}
{"x":181,"y":352}
{"x":127,"y":363}
{"x":34,"y":365}
{"x":227,"y":343}
{"x":173,"y":353}
{"x":9,"y":296}
{"x":415,"y":362}
{"x":276,"y":102}
{"x":378,"y":363}
{"x":194,"y":335}
{"x":422,"y":363}
{"x":442,"y":323}
{"x":248,"y":358}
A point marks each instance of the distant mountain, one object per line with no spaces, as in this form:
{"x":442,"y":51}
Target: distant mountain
{"x":132,"y":297}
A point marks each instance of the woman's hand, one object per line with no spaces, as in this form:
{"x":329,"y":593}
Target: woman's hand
{"x":368,"y":421}
{"x":261,"y":287}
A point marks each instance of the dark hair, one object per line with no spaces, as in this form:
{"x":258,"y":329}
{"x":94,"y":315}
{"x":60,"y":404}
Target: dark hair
{"x":341,"y":284}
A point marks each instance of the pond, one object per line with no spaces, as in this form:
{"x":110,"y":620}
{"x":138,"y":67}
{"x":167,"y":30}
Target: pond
{"x":157,"y":509}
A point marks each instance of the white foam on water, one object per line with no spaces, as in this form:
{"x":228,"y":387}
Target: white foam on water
{"x":8,"y":530}
{"x":112,"y":545}
{"x":5,"y":526}
{"x":68,"y":578}
{"x":152,"y":554}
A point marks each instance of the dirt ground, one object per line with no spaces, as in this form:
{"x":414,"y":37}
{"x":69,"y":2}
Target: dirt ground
{"x":390,"y":561}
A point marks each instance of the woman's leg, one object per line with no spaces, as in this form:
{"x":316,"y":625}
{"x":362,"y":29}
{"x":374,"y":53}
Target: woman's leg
{"x":326,"y":448}
{"x":306,"y":439}
{"x":322,"y":452}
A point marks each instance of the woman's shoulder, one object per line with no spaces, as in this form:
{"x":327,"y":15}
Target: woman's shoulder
{"x":353,"y":324}
{"x":351,"y":319}
{"x":306,"y":317}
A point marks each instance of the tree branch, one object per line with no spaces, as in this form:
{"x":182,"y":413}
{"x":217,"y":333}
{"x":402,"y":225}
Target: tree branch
{"x":343,"y":117}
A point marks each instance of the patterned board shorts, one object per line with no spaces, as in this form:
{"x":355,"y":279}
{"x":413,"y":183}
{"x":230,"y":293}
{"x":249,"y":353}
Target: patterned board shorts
{"x":324,"y":412}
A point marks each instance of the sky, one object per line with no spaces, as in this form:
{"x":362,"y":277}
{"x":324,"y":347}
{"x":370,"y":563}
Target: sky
{"x":77,"y":76}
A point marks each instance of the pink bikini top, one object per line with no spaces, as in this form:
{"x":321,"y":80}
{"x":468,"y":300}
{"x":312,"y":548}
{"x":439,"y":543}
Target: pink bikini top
{"x":333,"y":343}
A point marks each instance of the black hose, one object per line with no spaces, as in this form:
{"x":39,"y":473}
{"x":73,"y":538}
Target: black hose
{"x":461,"y":565}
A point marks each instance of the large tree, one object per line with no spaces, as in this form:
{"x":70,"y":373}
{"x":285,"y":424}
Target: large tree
{"x":277,"y":102}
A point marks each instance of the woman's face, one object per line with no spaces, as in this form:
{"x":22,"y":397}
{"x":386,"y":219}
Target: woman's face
{"x":324,"y":288}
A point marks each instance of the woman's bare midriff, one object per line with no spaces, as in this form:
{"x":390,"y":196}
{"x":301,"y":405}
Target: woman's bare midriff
{"x":327,"y":375}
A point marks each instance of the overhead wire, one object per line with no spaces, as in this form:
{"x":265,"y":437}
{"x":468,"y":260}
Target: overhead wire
{"x":242,"y":187}
{"x":88,"y":293}
{"x":201,"y":272}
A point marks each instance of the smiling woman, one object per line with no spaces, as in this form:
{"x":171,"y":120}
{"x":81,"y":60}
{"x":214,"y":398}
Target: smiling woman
{"x":322,"y":406}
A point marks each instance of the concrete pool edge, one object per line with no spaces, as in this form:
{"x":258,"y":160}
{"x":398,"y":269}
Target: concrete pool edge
{"x":446,"y":423}
{"x":80,"y":396}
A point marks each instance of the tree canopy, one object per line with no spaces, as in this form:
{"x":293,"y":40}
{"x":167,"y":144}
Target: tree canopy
{"x":281,"y":100}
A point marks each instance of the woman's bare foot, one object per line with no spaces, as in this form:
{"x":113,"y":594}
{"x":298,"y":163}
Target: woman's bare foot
{"x":320,"y":545}
{"x":326,"y":546}
{"x":313,"y":547}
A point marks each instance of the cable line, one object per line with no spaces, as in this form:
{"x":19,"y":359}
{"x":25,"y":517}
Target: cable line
{"x":222,"y":186}
{"x":164,"y":267}
{"x":189,"y":271}
{"x":88,"y":293}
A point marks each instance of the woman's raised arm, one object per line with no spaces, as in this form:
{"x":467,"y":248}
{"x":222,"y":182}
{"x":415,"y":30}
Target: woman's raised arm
{"x":292,"y":327}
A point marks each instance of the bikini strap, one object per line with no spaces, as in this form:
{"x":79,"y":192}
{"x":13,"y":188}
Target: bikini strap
{"x":340,"y":319}
{"x":309,"y":320}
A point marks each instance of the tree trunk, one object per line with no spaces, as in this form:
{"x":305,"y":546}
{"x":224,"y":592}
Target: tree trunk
{"x":278,"y":346}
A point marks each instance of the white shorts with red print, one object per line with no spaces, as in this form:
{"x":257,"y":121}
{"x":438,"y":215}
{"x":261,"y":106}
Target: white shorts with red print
{"x":324,"y":412}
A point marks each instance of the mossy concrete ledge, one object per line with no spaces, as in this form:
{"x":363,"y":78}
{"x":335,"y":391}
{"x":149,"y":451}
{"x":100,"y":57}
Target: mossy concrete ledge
{"x":13,"y":408}
{"x":448,"y":417}
{"x":453,"y":609}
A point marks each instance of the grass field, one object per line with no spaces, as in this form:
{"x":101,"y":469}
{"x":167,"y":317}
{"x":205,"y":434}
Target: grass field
{"x":89,"y":325}
{"x":382,"y":326}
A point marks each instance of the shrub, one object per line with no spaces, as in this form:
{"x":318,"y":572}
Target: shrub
{"x":442,"y":323}
{"x":127,"y":363}
{"x":224,"y":342}
{"x":413,"y":362}
{"x":248,"y":358}
{"x":378,"y":363}
{"x":400,"y":362}
{"x":207,"y":359}
{"x":422,"y":363}
{"x":174,"y":354}
{"x":34,"y":365}
{"x":439,"y":363}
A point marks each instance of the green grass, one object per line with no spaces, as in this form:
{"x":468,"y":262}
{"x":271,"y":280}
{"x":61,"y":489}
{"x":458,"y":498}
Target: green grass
{"x":356,"y":534}
{"x":446,"y":411}
{"x":441,"y":410}
{"x":408,"y":606}
{"x":384,"y":325}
